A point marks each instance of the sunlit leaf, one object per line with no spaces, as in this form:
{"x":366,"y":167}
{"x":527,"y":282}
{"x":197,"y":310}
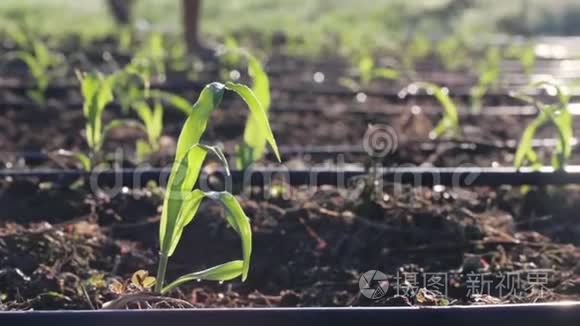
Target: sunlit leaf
{"x":258,"y":113}
{"x":196,"y":123}
{"x":83,"y":159}
{"x":142,"y":280}
{"x":450,"y":121}
{"x":252,"y":149}
{"x":224,"y":272}
{"x":240,"y":223}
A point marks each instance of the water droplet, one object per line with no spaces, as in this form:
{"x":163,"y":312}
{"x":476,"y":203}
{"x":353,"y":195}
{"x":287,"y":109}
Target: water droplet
{"x":361,"y":97}
{"x":107,"y":56}
{"x":318,"y":77}
{"x":198,"y":280}
{"x":415,"y":110}
{"x":221,"y":282}
{"x":125,"y":190}
{"x":234,"y":74}
{"x":438,"y":188}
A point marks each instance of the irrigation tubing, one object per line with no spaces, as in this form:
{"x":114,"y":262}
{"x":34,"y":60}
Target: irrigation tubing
{"x":311,"y":88}
{"x":346,"y":149}
{"x":302,"y":107}
{"x":417,"y":176}
{"x":540,"y":314}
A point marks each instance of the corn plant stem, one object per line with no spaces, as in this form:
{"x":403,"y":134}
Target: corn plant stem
{"x":161,"y":270}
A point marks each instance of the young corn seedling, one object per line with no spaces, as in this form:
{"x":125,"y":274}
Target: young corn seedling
{"x":97,"y":92}
{"x":131,"y":85}
{"x":152,"y":119}
{"x":133,"y":82}
{"x":525,"y":54}
{"x":452,"y":53}
{"x":148,"y":63}
{"x":231,"y":57}
{"x":488,"y":71}
{"x":418,"y":48}
{"x":254,"y":144}
{"x":151,"y":57}
{"x":558,"y":114}
{"x":367,"y":72}
{"x":449,"y":123}
{"x":40,"y":62}
{"x":181,"y":202}
{"x":19,"y":35}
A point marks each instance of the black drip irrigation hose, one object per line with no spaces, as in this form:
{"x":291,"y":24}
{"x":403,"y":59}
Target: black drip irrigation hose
{"x":381,"y":110}
{"x":337,"y":176}
{"x":302,"y":88}
{"x":347,"y":149}
{"x":541,"y":314}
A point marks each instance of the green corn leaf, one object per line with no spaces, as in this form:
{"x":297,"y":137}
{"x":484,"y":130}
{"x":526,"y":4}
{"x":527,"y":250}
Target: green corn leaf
{"x":181,"y":203}
{"x":42,"y":54}
{"x":183,"y":177}
{"x":450,"y":121}
{"x":152,"y":119}
{"x":142,"y":150}
{"x":224,"y":272}
{"x":83,"y":159}
{"x":37,"y":70}
{"x":560,"y":117}
{"x":232,"y":55}
{"x":365,"y":69}
{"x":174,"y":100}
{"x":563,"y":122}
{"x":257,"y":112}
{"x":156,"y":128}
{"x":186,"y":214}
{"x":260,"y":82}
{"x":255,"y":142}
{"x":18,"y":35}
{"x":386,"y":73}
{"x":234,"y":215}
{"x":196,"y":123}
{"x":144,"y":112}
{"x":240,"y":223}
{"x":349,"y":83}
{"x":525,"y":149}
{"x":97,"y":93}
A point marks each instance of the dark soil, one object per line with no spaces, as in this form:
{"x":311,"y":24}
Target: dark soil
{"x":67,"y":247}
{"x":70,"y":249}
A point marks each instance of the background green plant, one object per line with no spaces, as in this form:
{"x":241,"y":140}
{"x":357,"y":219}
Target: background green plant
{"x":43,"y":64}
{"x":559,"y":116}
{"x":449,"y":123}
{"x":97,"y":92}
{"x":488,"y":70}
